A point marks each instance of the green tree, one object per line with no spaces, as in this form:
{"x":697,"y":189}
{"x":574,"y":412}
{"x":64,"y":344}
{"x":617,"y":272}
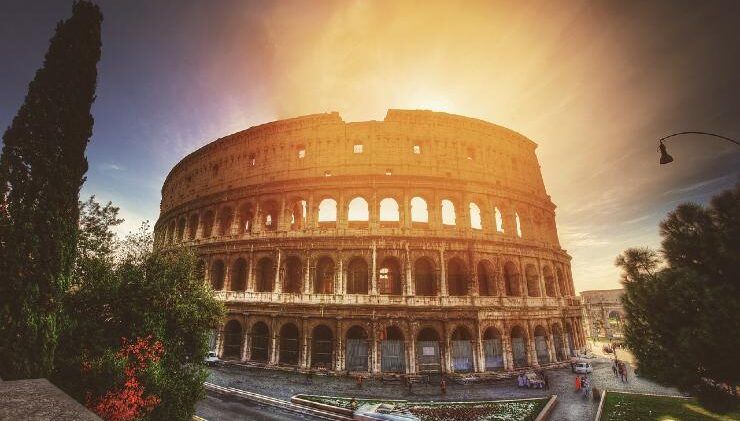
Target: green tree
{"x":683,"y":311}
{"x":129,"y":290}
{"x":42,"y":169}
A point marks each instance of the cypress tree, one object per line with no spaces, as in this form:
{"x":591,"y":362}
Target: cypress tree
{"x":42,"y":168}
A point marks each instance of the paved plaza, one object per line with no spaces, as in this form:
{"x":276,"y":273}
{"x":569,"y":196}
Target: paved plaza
{"x":571,"y":405}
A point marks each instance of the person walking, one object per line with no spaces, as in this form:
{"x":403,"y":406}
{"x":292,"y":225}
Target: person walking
{"x":621,"y":372}
{"x":614,"y":368}
{"x":578,"y":383}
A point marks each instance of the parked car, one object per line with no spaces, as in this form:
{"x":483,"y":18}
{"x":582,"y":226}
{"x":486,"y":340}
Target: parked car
{"x":583,"y":367}
{"x":211,"y":359}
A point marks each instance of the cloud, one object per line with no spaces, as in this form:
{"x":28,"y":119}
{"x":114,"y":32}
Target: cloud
{"x":107,"y":167}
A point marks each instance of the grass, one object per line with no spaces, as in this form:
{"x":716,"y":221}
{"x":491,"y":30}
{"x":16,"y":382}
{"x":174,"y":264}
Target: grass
{"x":521,"y":409}
{"x":624,"y":406}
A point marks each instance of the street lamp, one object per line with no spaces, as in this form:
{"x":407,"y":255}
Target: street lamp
{"x":665,"y":158}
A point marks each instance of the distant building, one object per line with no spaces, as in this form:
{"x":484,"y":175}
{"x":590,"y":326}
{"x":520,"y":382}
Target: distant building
{"x":603,"y":313}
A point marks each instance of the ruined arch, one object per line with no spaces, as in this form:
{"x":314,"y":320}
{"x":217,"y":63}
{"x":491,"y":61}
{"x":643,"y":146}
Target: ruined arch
{"x":298,"y":214}
{"x":181,"y":229}
{"x":541,"y":345}
{"x":428,"y":355}
{"x":389,"y":211}
{"x":357,"y":276}
{"x":260,"y":342}
{"x":448,"y":213}
{"x":462,"y":349}
{"x":218,"y":274}
{"x":493,"y":349}
{"x":327,"y":210}
{"x":239,"y":275}
{"x":324,"y":282}
{"x":511,"y":280}
{"x":208,"y":221}
{"x":486,"y":278}
{"x":393,"y":351}
{"x":457,"y":277}
{"x":233,"y":340}
{"x":289,"y":344}
{"x":549,"y":281}
{"x":269,"y":212}
{"x":561,"y":282}
{"x":419,"y":210}
{"x":389,"y":277}
{"x":293,"y":281}
{"x":425,"y":281}
{"x":265,"y":275}
{"x":225,"y":219}
{"x":246,"y":218}
{"x":322,"y":347}
{"x":519,"y":346}
{"x":476,"y":219}
{"x":533,"y":281}
{"x":358,"y":210}
{"x":193,"y":226}
{"x":357,"y":352}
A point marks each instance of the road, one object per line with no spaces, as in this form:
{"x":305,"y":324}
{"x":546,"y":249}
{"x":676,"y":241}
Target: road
{"x":218,"y":408}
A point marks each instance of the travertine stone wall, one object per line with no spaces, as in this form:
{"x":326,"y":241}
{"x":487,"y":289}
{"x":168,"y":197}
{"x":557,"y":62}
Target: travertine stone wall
{"x":491,"y":273}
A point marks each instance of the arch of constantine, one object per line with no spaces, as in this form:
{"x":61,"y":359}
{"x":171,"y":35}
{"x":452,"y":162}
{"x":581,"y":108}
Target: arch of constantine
{"x":423,"y":242}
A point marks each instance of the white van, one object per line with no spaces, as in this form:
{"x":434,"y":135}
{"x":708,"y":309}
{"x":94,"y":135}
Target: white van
{"x":583,"y":367}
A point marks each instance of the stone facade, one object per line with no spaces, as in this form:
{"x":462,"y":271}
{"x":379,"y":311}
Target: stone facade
{"x":423,"y":242}
{"x":602,"y":313}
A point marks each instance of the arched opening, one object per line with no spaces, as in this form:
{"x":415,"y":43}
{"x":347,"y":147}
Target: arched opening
{"x":549,"y":281}
{"x":289,"y":344}
{"x":225,"y":219}
{"x":218,"y":272}
{"x":519,"y":346}
{"x":511,"y":280}
{"x":569,"y":338}
{"x":208,"y":220}
{"x":499,"y":220}
{"x":246,"y":218}
{"x":260,"y":343}
{"x":389,"y":210}
{"x":193,"y":226}
{"x":328,"y":210}
{"x":425,"y":282}
{"x":493,"y":349}
{"x":557,"y":338}
{"x":239,"y":275}
{"x":419,"y":211}
{"x":324,"y":282}
{"x":200,"y":270}
{"x":457,"y":279}
{"x":393,"y":351}
{"x":233,"y":340}
{"x":357,"y":210}
{"x":541,"y":345}
{"x":476,"y":222}
{"x":462,"y":350}
{"x":269,"y":216}
{"x":561,"y":283}
{"x":428,"y":357}
{"x":172,"y":232}
{"x":265,"y":275}
{"x":293,"y":275}
{"x":389,"y":277}
{"x":298,"y":214}
{"x":486,"y":279}
{"x":357,"y":276}
{"x":518,"y":225}
{"x":322,"y":345}
{"x":357,"y":353}
{"x":448,"y":213}
{"x":533,"y":281}
{"x":181,"y":229}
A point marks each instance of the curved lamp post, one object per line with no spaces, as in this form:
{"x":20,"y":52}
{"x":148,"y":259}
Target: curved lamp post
{"x":667,"y":159}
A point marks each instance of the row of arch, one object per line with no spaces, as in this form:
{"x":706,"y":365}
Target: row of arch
{"x":392,"y":350}
{"x":250,"y":218}
{"x":293,"y":276}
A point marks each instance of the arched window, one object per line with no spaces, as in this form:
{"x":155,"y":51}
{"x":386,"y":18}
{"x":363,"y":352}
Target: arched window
{"x":389,"y":210}
{"x":493,"y":349}
{"x":265,"y":275}
{"x":448,"y":213}
{"x":457,"y":280}
{"x":293,"y":275}
{"x":328,"y":210}
{"x":289,"y":344}
{"x":499,"y":220}
{"x":518,"y":225}
{"x":193,"y":226}
{"x":322,"y":346}
{"x":475,"y":217}
{"x":511,"y":279}
{"x":208,"y":220}
{"x":549,"y":281}
{"x":357,"y":276}
{"x":533,"y":281}
{"x":218,"y":272}
{"x":239,"y":275}
{"x":298,"y":213}
{"x":462,"y":350}
{"x":541,"y":345}
{"x":357,"y":350}
{"x":224,"y":221}
{"x":486,"y":280}
{"x":389,"y":277}
{"x":561,"y":283}
{"x":269,"y":216}
{"x":425,"y":281}
{"x":233,"y":340}
{"x":246,"y":218}
{"x":260,"y":343}
{"x":519,"y":346}
{"x":358,"y":210}
{"x":181,"y":230}
{"x":419,"y":211}
{"x":324,"y":282}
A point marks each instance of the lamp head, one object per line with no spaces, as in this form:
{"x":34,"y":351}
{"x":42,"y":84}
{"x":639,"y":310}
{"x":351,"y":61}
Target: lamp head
{"x":664,"y":157}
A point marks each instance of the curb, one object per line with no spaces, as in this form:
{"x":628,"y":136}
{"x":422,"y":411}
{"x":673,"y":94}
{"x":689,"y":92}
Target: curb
{"x":601,"y":405}
{"x":547,"y":410}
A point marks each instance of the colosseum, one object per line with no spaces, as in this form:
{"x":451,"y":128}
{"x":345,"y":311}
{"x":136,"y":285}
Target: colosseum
{"x":425,"y":242}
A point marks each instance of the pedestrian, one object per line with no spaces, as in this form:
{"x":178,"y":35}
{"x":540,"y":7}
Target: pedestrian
{"x":544,"y":378}
{"x":443,"y":386}
{"x":585,"y":384}
{"x":624,"y":372}
{"x":359,"y":381}
{"x":578,"y":383}
{"x":520,"y":380}
{"x":621,"y":372}
{"x":614,"y":368}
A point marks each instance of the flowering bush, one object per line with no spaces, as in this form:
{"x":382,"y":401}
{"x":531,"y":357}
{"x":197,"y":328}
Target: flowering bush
{"x":128,"y":401}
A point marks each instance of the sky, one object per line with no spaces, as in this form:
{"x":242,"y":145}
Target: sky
{"x":593,"y":83}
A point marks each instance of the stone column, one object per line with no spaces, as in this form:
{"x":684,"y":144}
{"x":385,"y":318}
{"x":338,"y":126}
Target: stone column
{"x":507,"y":350}
{"x":227,"y":273}
{"x":307,"y":274}
{"x":277,"y":287}
{"x":311,"y":212}
{"x":220,"y":341}
{"x":443,"y":273}
{"x":273,"y":342}
{"x":235,"y":229}
{"x":375,"y":367}
{"x":282,"y":223}
{"x":405,"y":207}
{"x":541,"y":276}
{"x":411,"y":348}
{"x":339,"y":362}
{"x":250,"y":270}
{"x":551,"y":344}
{"x":374,"y":268}
{"x":341,"y":276}
{"x":247,"y":354}
{"x":305,"y":355}
{"x":257,"y":219}
{"x":409,"y":282}
{"x":478,"y":349}
{"x":532,"y":354}
{"x":523,"y":278}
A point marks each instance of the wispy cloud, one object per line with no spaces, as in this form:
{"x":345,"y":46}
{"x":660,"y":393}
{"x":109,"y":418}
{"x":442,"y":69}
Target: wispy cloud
{"x":108,"y":167}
